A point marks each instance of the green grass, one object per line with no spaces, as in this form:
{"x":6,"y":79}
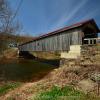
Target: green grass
{"x":8,"y":86}
{"x":65,"y":93}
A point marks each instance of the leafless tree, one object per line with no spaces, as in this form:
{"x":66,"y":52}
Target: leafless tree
{"x":8,"y":25}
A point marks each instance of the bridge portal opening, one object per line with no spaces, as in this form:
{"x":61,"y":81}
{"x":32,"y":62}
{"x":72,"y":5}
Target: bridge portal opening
{"x":90,"y":36}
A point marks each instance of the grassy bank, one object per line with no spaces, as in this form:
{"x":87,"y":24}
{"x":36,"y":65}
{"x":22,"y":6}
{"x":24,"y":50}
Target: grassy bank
{"x":8,"y":87}
{"x":65,"y":93}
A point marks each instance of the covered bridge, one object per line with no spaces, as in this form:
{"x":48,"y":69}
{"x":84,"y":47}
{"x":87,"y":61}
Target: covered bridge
{"x":66,"y":39}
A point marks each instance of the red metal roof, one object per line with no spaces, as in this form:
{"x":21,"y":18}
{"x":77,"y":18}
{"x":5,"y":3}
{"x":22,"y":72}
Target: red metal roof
{"x":66,"y":29}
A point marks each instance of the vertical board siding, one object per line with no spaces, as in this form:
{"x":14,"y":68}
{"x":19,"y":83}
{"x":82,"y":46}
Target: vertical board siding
{"x":57,"y":42}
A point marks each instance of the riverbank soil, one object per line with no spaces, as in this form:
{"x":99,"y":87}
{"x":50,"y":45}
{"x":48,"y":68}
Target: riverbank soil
{"x":9,"y":55}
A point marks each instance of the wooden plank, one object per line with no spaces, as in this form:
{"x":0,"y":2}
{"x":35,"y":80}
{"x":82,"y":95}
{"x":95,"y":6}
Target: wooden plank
{"x":57,"y":42}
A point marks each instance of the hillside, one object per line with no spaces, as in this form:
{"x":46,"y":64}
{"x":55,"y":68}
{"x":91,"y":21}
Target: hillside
{"x":19,"y":39}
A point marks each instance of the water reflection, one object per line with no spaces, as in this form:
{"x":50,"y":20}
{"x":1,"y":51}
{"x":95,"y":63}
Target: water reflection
{"x":24,"y":70}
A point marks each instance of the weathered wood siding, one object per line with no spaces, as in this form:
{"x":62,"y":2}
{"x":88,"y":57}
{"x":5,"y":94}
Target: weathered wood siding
{"x":57,"y":42}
